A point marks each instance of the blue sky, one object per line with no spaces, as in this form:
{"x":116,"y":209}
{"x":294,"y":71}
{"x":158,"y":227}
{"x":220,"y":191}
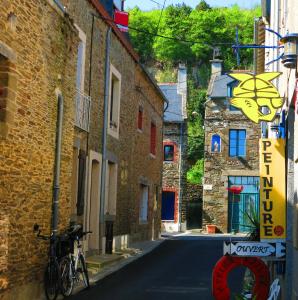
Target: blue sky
{"x":151,"y":4}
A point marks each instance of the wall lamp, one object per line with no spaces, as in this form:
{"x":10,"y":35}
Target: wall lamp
{"x":290,"y":41}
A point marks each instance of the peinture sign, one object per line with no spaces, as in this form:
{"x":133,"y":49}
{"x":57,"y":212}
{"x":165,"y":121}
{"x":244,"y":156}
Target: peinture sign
{"x":272,"y":190}
{"x":276,"y":250}
{"x":256,"y":96}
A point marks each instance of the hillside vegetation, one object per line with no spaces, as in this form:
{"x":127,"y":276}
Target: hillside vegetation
{"x":164,"y":38}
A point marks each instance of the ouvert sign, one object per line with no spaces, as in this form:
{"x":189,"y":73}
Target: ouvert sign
{"x":277,"y":250}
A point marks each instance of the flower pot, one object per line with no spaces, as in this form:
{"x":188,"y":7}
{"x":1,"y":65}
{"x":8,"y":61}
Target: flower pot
{"x":211,"y":229}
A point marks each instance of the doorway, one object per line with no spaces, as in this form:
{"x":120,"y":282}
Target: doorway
{"x":244,"y":206}
{"x":168,"y":206}
{"x":194,"y":215}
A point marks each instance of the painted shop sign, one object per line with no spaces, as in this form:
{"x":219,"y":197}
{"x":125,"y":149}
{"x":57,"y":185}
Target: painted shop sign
{"x":255,"y":92}
{"x":272,"y":190}
{"x":277,"y":250}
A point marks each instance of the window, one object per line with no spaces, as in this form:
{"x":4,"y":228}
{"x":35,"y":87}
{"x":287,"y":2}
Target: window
{"x":168,"y":152}
{"x":237,"y":142}
{"x":143,"y":215}
{"x":114,"y":102}
{"x":230,"y":94}
{"x":140,"y":118}
{"x":215,"y":143}
{"x":153,"y":139}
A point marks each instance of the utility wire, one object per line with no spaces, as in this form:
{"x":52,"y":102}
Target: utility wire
{"x":167,"y":37}
{"x":160,"y":16}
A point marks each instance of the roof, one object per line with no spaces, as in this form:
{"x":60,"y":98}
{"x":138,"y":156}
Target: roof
{"x":217,"y":87}
{"x":109,"y":21}
{"x":174,"y":111}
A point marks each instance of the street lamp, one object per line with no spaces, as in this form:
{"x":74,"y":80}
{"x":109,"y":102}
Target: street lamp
{"x":289,"y":59}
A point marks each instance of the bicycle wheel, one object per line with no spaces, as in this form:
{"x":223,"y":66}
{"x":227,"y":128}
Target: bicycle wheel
{"x":51,"y":280}
{"x":66,"y":276}
{"x":83,"y":271}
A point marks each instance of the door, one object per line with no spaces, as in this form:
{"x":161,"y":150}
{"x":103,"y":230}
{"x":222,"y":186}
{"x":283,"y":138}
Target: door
{"x":243,"y":207}
{"x":194,"y":215}
{"x":168,"y":206}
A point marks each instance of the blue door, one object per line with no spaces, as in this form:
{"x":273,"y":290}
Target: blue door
{"x":243,"y":205}
{"x":168,"y":206}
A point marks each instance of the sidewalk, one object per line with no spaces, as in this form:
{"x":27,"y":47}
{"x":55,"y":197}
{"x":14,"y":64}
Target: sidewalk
{"x":100,"y":266}
{"x":110,"y":263}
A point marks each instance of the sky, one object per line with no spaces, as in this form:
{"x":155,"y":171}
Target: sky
{"x":155,"y":4}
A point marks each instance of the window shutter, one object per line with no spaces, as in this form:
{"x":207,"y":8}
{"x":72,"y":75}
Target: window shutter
{"x":153,"y":139}
{"x":81,"y":183}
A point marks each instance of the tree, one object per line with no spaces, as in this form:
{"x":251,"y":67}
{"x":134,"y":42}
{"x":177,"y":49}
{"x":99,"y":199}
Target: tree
{"x":203,"y":5}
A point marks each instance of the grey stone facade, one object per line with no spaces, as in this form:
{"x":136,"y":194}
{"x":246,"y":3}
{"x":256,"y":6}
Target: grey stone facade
{"x":219,"y":165}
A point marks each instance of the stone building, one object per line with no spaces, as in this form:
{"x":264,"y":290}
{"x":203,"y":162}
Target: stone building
{"x":231,"y":157}
{"x":175,"y":154}
{"x":111,"y":157}
{"x":118,"y":156}
{"x":38,"y":53}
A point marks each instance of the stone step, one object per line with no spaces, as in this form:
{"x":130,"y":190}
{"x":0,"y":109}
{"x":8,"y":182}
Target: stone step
{"x":97,"y":262}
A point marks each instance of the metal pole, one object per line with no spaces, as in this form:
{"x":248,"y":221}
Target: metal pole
{"x":104,"y":133}
{"x":232,"y":213}
{"x":56,"y":186}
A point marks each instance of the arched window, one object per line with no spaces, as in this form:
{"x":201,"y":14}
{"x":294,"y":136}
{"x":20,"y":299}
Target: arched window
{"x":215,"y":143}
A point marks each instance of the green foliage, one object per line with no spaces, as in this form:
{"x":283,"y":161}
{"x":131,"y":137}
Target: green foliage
{"x":196,"y":172}
{"x":203,"y":6}
{"x":204,"y":26}
{"x":251,"y":218}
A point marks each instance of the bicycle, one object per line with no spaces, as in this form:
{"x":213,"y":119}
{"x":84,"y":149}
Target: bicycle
{"x":73,"y":266}
{"x":52,"y":272}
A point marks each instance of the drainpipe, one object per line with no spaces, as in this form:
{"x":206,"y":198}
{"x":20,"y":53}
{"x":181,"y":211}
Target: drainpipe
{"x":180,"y":175}
{"x":56,"y":186}
{"x":104,"y":133}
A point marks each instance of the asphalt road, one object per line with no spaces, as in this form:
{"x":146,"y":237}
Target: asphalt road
{"x":180,"y":268}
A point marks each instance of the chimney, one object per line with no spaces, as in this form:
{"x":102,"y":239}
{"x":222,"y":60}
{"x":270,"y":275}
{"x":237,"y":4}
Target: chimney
{"x":216,"y":62}
{"x":182,"y":87}
{"x":182,"y":78}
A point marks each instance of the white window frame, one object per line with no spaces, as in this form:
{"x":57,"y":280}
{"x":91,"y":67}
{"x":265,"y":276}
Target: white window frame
{"x":83,"y":40}
{"x":144,"y":204}
{"x":113,"y":130}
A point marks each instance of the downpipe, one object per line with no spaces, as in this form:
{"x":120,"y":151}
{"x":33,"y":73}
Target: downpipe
{"x":56,"y":186}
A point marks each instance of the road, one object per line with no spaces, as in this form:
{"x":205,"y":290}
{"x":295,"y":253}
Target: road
{"x":180,"y":268}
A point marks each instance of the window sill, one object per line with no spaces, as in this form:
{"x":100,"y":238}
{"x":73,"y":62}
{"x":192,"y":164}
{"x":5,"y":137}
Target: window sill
{"x":140,"y":130}
{"x":113,"y":132}
{"x":168,"y":161}
{"x":143,"y":222}
{"x":153,"y":156}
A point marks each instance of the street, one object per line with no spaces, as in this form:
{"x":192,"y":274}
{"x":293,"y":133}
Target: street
{"x":180,"y":268}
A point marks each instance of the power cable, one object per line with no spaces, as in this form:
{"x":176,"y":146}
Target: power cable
{"x":160,"y":16}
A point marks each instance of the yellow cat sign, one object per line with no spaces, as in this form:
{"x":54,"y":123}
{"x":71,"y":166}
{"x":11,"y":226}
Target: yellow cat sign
{"x":255,"y":92}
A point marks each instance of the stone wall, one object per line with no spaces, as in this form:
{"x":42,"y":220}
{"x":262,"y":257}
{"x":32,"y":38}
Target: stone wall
{"x":174,"y":172}
{"x":39,"y":45}
{"x":131,"y":151}
{"x":218,"y":166}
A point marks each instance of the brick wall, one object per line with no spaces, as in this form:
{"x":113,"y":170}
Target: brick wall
{"x":38,"y":47}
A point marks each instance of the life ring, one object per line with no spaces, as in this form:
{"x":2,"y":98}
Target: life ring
{"x":220,"y":289}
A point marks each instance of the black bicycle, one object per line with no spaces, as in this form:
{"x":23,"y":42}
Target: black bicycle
{"x":52,"y":273}
{"x":73,"y":266}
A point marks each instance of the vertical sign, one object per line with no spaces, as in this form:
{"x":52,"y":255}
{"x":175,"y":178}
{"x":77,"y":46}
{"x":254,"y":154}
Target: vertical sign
{"x":272,"y":190}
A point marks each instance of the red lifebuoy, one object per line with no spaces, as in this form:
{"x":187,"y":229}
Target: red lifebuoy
{"x":220,"y":289}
